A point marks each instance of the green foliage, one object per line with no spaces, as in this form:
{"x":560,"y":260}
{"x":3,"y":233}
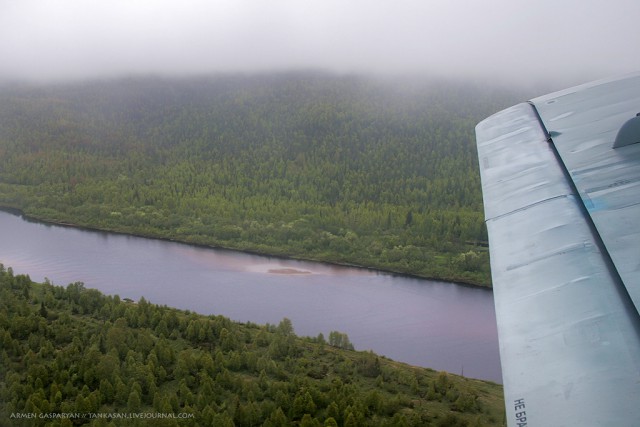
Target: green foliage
{"x":340,"y":169}
{"x":87,"y":357}
{"x":340,"y":340}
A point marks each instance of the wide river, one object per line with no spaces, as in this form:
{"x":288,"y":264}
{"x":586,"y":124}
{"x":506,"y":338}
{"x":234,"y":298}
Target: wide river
{"x":432,"y":324}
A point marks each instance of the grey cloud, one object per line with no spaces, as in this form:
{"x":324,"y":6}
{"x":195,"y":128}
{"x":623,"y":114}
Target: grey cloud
{"x":491,"y":39}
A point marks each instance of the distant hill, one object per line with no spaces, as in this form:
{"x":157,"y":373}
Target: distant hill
{"x":72,"y":356}
{"x":344,"y":169}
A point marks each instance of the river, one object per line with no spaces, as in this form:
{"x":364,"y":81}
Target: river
{"x":426,"y":323}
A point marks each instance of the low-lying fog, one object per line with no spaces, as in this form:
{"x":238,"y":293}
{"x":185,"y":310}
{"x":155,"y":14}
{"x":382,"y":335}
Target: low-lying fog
{"x":524,"y":43}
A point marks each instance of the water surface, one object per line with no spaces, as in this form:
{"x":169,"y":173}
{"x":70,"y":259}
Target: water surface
{"x":427,"y":323}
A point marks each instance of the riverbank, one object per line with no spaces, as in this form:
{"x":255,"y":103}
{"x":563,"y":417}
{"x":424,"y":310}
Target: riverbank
{"x":425,"y":323}
{"x":302,"y":166}
{"x":245,"y":371}
{"x":241,"y":247}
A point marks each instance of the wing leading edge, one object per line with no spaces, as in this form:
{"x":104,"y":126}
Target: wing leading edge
{"x":562,"y":209}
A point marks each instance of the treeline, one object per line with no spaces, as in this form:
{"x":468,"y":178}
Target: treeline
{"x":339,"y":169}
{"x":72,"y":350}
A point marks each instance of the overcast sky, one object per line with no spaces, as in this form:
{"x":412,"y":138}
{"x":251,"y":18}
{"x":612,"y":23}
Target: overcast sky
{"x":504,"y":40}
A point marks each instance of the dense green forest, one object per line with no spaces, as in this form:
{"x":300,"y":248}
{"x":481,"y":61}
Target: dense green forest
{"x":341,"y":169}
{"x":71,"y":350}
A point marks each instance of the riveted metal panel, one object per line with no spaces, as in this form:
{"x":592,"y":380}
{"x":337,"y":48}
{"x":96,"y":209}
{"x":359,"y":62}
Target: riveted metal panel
{"x":569,"y":340}
{"x":585,"y":122}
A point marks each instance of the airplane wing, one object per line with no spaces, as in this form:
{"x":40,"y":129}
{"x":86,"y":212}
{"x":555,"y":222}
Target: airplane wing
{"x":561,"y":186}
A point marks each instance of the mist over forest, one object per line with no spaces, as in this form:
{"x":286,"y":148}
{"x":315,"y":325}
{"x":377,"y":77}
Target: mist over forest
{"x":317,"y":166}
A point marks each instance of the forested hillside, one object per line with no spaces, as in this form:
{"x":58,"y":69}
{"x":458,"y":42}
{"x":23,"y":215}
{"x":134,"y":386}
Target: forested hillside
{"x":72,"y":356}
{"x":339,"y":169}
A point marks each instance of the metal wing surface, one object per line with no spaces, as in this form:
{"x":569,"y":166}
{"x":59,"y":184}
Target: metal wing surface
{"x":562,"y":209}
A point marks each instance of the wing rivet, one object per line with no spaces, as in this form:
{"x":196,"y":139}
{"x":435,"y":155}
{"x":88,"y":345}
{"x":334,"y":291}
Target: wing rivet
{"x":629,"y":133}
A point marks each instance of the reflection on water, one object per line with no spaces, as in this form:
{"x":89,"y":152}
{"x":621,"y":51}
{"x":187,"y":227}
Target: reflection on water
{"x":285,"y":270}
{"x":431,"y":324}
